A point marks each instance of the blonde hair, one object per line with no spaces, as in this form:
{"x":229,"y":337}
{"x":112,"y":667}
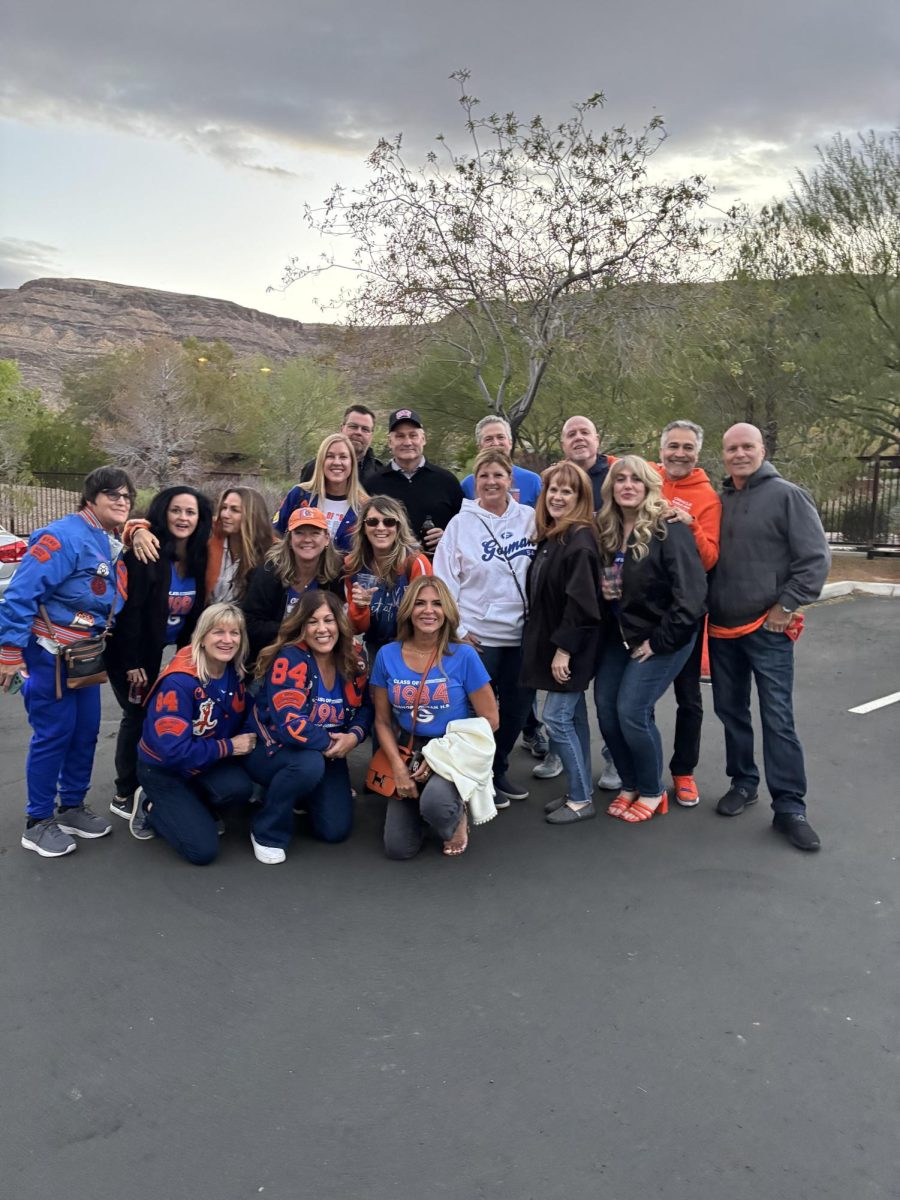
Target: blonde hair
{"x":581,"y":516}
{"x":281,"y":558}
{"x":317,"y":485}
{"x":218,"y":614}
{"x":448,"y":632}
{"x":256,"y":534}
{"x":362,"y":556}
{"x":651,"y":515}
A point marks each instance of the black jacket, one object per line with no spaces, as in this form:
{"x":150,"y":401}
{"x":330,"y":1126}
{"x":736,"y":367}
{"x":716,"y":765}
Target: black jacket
{"x":664,"y":594}
{"x":139,"y":635}
{"x":565,"y":611}
{"x":368,"y":466}
{"x":264,"y":603}
{"x":597,"y":474}
{"x":432,"y":492}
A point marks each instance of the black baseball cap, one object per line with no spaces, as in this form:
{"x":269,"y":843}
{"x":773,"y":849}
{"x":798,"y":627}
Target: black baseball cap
{"x":404,"y":414}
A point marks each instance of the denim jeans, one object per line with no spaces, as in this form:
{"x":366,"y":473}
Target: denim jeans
{"x":183,"y":811}
{"x":289,"y":776}
{"x":626,"y":692}
{"x":769,"y":659}
{"x":407,"y":822}
{"x":566,"y":721}
{"x":503,"y":664}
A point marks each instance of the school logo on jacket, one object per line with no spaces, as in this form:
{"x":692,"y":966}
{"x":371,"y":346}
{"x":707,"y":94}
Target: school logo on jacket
{"x":205,"y":722}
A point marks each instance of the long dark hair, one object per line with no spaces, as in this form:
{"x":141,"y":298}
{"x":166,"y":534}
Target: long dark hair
{"x":197,"y":548}
{"x":346,"y":657}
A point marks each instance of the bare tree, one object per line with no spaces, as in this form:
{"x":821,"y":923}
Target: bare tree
{"x":155,"y":426}
{"x":498,"y":250}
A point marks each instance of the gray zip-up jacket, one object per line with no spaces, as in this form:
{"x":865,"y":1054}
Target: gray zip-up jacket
{"x":772,"y":549}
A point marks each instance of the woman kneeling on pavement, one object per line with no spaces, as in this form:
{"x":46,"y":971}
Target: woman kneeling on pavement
{"x":483,"y":558}
{"x":421,"y":683}
{"x":564,"y":629}
{"x":312,"y":710}
{"x":655,"y":583}
{"x":193,"y":733}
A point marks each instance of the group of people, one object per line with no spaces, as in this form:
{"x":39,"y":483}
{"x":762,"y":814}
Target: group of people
{"x":390,"y":601}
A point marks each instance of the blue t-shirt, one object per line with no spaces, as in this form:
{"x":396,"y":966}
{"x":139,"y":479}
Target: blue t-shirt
{"x":329,"y":707}
{"x":182,"y":597}
{"x":526,"y":486}
{"x":445,"y":696}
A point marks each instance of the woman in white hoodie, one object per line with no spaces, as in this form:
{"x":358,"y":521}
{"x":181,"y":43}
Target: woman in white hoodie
{"x":483,"y":558}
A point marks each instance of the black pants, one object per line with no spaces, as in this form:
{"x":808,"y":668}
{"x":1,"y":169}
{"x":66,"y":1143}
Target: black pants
{"x":130,"y":727}
{"x":689,"y":718}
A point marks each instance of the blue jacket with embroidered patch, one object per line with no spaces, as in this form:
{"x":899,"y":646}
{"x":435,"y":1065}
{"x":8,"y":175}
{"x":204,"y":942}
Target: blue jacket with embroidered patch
{"x":186,"y":730}
{"x":285,"y":711}
{"x":73,"y":570}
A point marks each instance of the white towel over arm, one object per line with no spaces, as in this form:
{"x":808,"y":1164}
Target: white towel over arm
{"x":465,"y":756}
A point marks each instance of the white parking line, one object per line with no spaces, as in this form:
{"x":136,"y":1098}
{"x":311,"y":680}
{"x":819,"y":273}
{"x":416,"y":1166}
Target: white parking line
{"x":873,"y":704}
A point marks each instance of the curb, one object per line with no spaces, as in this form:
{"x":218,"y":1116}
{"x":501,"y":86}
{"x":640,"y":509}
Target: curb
{"x":847,"y":586}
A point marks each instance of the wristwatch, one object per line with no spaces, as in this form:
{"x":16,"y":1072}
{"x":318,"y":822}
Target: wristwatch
{"x":787,"y":611}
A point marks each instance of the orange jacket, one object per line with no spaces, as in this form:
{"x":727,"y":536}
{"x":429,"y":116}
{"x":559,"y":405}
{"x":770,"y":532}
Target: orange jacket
{"x":696,"y":495}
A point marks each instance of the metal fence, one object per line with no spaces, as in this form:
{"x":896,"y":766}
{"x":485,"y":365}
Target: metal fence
{"x":863,"y":514}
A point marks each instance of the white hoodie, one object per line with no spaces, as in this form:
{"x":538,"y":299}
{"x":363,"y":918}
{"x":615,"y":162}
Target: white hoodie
{"x":476,"y":558}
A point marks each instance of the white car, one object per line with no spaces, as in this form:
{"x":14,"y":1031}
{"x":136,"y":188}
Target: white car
{"x":12,"y":551}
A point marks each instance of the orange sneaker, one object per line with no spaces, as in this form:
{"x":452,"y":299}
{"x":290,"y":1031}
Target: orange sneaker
{"x":686,"y":791}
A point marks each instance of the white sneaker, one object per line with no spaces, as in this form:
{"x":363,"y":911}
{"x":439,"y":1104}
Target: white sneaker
{"x":549,"y":768}
{"x":609,"y":781}
{"x":267,"y":854}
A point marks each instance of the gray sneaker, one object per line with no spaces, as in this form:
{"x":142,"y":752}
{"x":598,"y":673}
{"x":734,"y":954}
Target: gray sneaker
{"x":48,"y":840}
{"x":138,"y":824}
{"x":549,"y":768}
{"x":82,"y":822}
{"x":609,"y":781}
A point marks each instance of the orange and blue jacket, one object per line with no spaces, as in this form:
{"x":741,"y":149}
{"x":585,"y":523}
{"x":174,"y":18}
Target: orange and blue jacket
{"x":187,"y":727}
{"x":288,"y":712}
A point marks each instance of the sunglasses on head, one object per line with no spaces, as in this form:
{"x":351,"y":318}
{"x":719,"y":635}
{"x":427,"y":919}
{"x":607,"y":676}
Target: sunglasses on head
{"x":387,"y":522}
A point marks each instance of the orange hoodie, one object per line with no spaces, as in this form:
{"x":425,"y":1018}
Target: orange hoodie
{"x":696,"y":495}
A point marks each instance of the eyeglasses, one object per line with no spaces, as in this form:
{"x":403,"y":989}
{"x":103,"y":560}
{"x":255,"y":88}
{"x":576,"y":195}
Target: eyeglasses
{"x":114,"y":495}
{"x":387,"y":522}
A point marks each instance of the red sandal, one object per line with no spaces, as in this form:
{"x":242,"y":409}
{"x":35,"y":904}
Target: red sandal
{"x":641,"y":811}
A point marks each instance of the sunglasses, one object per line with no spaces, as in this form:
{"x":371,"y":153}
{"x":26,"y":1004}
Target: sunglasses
{"x":387,"y":522}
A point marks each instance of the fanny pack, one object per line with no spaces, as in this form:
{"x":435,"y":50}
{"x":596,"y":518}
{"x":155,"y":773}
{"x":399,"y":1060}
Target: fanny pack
{"x":84,"y":659}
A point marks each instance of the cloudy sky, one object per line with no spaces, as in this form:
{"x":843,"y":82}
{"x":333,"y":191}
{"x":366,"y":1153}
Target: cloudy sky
{"x":173,"y":144}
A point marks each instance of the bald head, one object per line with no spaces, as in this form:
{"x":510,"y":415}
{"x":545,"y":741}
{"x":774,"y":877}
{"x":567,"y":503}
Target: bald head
{"x":743,"y":451}
{"x":580,"y":442}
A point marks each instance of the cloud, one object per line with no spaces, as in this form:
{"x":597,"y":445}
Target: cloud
{"x":338,"y":76}
{"x":21,"y":260}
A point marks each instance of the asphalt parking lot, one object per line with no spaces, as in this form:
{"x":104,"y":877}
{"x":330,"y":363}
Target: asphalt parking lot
{"x":688,"y":1009}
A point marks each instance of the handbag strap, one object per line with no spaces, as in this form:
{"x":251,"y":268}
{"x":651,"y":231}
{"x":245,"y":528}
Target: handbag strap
{"x":502,"y":554}
{"x":419,"y":691}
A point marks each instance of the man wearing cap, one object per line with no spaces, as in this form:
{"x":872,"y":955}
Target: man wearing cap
{"x":431,"y":494}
